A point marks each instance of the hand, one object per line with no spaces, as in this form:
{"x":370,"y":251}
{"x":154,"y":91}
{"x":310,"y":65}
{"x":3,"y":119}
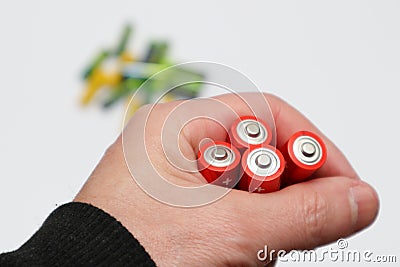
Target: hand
{"x":233,"y":229}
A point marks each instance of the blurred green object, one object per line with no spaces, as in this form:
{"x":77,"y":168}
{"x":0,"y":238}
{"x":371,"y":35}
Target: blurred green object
{"x":127,"y":87}
{"x":95,"y":64}
{"x":126,"y":34}
{"x":157,"y":52}
{"x":122,"y":74}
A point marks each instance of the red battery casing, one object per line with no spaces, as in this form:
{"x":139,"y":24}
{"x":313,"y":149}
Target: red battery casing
{"x":261,"y":184}
{"x":234,"y":139}
{"x":297,"y":171}
{"x":224,"y":176}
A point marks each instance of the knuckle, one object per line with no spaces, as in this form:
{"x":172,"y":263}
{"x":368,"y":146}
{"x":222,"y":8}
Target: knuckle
{"x":314,"y":215}
{"x":148,"y":115}
{"x":155,"y":110}
{"x":145,"y":109}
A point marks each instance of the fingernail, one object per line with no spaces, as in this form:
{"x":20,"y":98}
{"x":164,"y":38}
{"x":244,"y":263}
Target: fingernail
{"x":364,"y":205}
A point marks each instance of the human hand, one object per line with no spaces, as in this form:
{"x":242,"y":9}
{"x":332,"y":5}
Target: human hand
{"x":229,"y":231}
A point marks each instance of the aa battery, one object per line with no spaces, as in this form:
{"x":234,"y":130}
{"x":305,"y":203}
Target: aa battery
{"x":218,"y":162}
{"x":262,"y":170}
{"x":249,"y":131}
{"x":305,"y":152}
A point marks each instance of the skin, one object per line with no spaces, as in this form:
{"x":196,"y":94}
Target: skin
{"x":229,"y":232}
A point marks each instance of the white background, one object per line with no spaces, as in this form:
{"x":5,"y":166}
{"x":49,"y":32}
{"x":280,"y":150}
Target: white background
{"x":337,"y":61}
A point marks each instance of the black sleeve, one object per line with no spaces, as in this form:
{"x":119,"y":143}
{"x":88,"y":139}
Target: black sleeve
{"x":78,"y":234}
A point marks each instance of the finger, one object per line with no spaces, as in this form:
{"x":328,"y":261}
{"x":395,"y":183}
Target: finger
{"x":288,"y":120}
{"x":314,"y":213}
{"x":223,"y":110}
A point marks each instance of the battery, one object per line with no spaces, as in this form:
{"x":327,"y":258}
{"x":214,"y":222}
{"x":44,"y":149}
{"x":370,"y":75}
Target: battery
{"x":218,"y":162}
{"x":262,"y":170}
{"x":305,"y":152}
{"x":249,"y":131}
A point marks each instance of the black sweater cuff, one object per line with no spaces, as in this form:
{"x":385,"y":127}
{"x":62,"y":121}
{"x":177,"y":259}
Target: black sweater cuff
{"x":78,"y":234}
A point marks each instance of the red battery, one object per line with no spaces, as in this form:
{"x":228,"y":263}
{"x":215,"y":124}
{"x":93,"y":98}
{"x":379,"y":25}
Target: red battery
{"x":305,"y":152}
{"x":218,"y":162}
{"x":249,"y":131}
{"x":262,"y":170}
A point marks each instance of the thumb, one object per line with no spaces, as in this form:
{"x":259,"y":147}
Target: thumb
{"x":316,"y":212}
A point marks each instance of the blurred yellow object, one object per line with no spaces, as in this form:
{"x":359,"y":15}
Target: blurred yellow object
{"x":127,"y":57}
{"x":98,"y":80}
{"x":167,"y":98}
